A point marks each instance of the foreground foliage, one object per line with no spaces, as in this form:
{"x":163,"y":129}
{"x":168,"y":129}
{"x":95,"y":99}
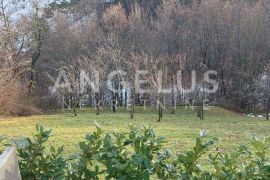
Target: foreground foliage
{"x":138,"y":154}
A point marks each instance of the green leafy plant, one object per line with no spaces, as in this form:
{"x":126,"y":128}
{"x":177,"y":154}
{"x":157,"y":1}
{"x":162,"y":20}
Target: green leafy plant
{"x":87,"y":165}
{"x":37,"y":163}
{"x":166,"y":166}
{"x":2,"y":138}
{"x":189,"y":160}
{"x":184,"y":165}
{"x":244,"y":163}
{"x":130,"y":155}
{"x":138,"y":154}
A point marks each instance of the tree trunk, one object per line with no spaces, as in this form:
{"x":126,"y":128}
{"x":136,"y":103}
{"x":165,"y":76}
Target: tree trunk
{"x":268,"y":109}
{"x":159,"y":113}
{"x":132,"y":110}
{"x":125,"y":97}
{"x":31,"y":78}
{"x":114,"y":103}
{"x":37,"y":52}
{"x":198,"y":109}
{"x":139,"y":102}
{"x":202,"y":110}
{"x":97,"y":103}
{"x":173,"y":100}
{"x":74,"y":111}
{"x":121,"y":96}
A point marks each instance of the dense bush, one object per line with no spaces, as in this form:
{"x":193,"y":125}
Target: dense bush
{"x":138,"y":154}
{"x":2,"y":138}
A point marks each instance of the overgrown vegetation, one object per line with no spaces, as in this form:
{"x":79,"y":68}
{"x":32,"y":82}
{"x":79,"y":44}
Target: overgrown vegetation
{"x":37,"y":42}
{"x":139,"y":154}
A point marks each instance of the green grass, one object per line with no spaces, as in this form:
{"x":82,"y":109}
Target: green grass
{"x":180,"y":129}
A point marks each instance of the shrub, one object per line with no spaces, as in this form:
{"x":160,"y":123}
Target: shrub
{"x":131,"y":155}
{"x":14,"y":97}
{"x":35,"y":162}
{"x":2,"y":138}
{"x":87,"y":166}
{"x":138,"y":154}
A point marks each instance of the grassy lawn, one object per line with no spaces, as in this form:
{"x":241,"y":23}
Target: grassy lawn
{"x":179,"y":129}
